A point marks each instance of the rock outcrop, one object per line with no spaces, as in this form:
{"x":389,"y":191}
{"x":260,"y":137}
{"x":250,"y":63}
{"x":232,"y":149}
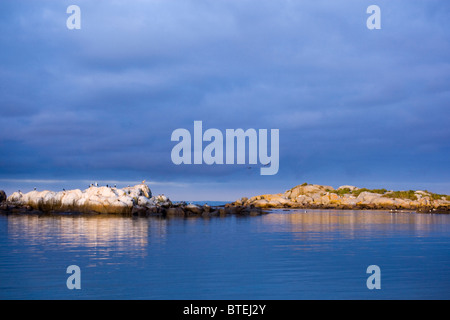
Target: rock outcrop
{"x":93,"y":199}
{"x":2,"y":196}
{"x":348,"y":197}
{"x":137,"y":200}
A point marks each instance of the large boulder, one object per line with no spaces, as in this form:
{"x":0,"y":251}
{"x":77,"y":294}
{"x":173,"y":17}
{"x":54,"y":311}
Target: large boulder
{"x":193,"y":209}
{"x":368,"y":197}
{"x":175,"y":212}
{"x":261,"y":203}
{"x":310,"y":189}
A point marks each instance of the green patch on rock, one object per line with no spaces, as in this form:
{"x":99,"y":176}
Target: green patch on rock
{"x":356,"y":192}
{"x":410,"y":194}
{"x":437,"y":196}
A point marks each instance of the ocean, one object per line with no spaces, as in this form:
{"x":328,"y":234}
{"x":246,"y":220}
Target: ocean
{"x":282,"y":255}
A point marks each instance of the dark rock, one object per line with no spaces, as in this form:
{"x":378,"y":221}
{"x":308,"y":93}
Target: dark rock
{"x":138,"y":210}
{"x":206,"y":214}
{"x":192,"y":208}
{"x":2,"y":196}
{"x":257,"y":212}
{"x":214,"y":213}
{"x":175,"y":212}
{"x":179,"y":204}
{"x":231,"y":210}
{"x":4,"y":206}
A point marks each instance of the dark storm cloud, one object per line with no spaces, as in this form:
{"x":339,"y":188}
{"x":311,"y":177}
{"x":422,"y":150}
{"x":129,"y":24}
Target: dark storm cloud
{"x":352,"y":105}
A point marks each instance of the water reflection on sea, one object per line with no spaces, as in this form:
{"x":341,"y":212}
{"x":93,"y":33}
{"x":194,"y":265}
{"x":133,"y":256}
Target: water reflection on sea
{"x":303,"y":254}
{"x":99,"y":234}
{"x":354,"y":222}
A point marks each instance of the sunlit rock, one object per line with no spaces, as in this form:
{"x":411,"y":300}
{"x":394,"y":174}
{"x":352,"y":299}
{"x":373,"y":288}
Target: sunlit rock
{"x":348,"y":197}
{"x":93,"y":199}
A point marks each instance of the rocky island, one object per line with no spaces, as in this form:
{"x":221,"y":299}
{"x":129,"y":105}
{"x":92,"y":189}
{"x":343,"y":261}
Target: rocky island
{"x":135,"y":200}
{"x":313,"y":196}
{"x":138,"y":200}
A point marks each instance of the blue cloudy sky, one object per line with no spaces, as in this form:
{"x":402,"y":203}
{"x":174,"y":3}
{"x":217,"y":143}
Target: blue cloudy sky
{"x":354,"y":106}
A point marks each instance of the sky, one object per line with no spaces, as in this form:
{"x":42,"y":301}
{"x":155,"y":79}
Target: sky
{"x":353,"y":106}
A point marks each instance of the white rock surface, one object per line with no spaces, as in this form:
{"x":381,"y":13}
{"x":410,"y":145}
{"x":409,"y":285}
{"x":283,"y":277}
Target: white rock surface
{"x":97,"y":199}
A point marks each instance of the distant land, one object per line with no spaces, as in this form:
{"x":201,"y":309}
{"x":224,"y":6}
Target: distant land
{"x":349,"y":197}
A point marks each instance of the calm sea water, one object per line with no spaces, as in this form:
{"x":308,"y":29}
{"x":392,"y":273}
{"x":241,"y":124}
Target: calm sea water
{"x":317,"y":254}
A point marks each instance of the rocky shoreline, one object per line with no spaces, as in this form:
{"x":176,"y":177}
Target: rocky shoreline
{"x":129,"y":201}
{"x":313,"y":196}
{"x":139,"y":201}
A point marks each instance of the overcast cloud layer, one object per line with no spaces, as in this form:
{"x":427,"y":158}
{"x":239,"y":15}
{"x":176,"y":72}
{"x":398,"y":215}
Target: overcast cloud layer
{"x":353,"y":106}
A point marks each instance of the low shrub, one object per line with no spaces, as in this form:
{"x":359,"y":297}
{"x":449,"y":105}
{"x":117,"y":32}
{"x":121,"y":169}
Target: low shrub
{"x":410,"y":194}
